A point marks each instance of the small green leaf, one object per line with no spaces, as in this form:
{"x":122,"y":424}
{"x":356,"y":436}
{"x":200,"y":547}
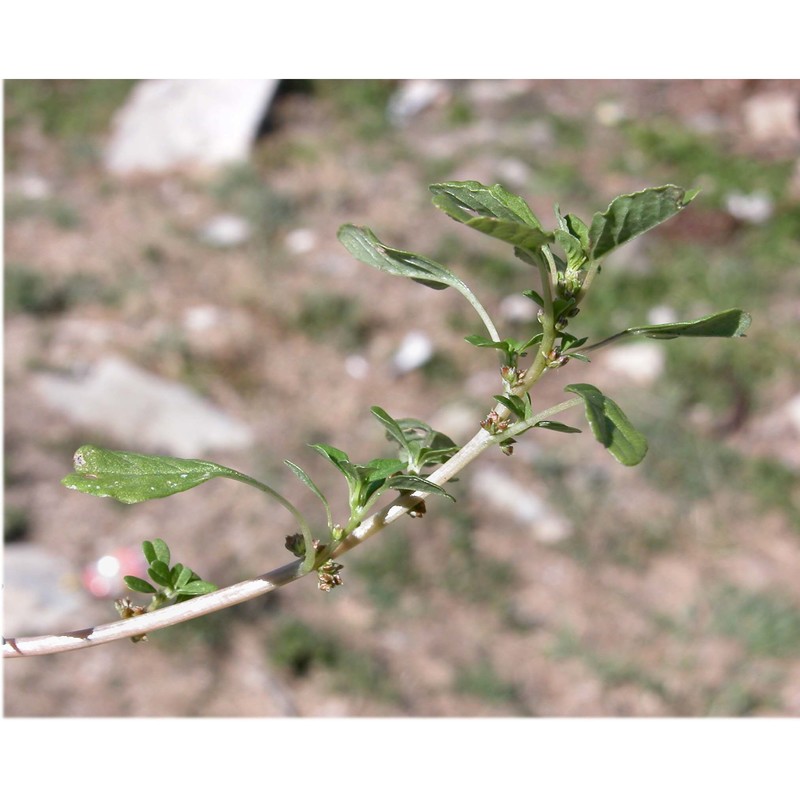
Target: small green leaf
{"x":305,"y":478}
{"x":414,"y":483}
{"x":138,"y":585}
{"x":380,"y":468}
{"x":610,"y":426}
{"x":466,"y":200}
{"x":551,"y":425}
{"x":132,"y":477}
{"x":393,"y":429}
{"x":197,"y":587}
{"x":366,"y":247}
{"x":521,"y":236}
{"x":160,"y":573}
{"x":516,"y":405}
{"x":535,"y":296}
{"x":572,"y":247}
{"x":340,"y":460}
{"x":630,"y":215}
{"x":730,"y":323}
{"x":181,"y":575}
{"x":578,"y":228}
{"x":161,"y":550}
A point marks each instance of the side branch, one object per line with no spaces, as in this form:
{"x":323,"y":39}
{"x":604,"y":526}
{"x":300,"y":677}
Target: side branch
{"x":239,"y":592}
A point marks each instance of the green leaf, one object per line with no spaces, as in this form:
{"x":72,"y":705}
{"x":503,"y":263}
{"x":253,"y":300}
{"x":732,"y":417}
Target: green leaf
{"x":133,"y":478}
{"x":393,"y":429}
{"x":340,"y":460}
{"x":551,"y":425}
{"x":492,"y":210}
{"x":138,"y":585}
{"x":380,"y":468}
{"x":516,"y":405}
{"x":197,"y":587}
{"x":366,"y":247}
{"x":730,"y":323}
{"x":305,"y":478}
{"x":535,"y":296}
{"x":414,"y":483}
{"x":578,"y":228}
{"x":160,"y":573}
{"x":467,"y":200}
{"x":161,"y":550}
{"x":610,"y":426}
{"x":521,"y":236}
{"x":630,"y":215}
{"x":181,"y":575}
{"x":572,"y":247}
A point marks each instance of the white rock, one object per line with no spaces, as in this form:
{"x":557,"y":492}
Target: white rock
{"x":41,"y":592}
{"x":514,"y":172}
{"x":755,"y":208}
{"x":300,"y":241}
{"x":415,"y":350}
{"x":30,"y":186}
{"x":226,"y":230}
{"x":414,"y":96}
{"x":792,"y":410}
{"x":175,"y":124}
{"x":142,"y":411}
{"x":516,"y":500}
{"x":661,"y":315}
{"x":356,"y":367}
{"x":516,"y":308}
{"x":771,"y":116}
{"x":610,"y":113}
{"x":641,"y":363}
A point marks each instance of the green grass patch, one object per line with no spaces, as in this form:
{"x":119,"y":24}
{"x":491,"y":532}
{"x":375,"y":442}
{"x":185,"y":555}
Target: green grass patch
{"x":335,"y":319}
{"x":688,"y":155}
{"x":65,"y":108}
{"x":29,"y":291}
{"x":386,"y":568}
{"x":765,"y":623}
{"x":301,"y":649}
{"x":481,"y":680}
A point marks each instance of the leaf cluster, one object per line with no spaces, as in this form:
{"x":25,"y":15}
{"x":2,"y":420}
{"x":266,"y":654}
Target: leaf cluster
{"x":420,"y":446}
{"x":177,"y":582}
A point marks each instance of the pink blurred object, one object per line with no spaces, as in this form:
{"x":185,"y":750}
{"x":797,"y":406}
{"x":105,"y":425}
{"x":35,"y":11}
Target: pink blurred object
{"x":103,"y":578}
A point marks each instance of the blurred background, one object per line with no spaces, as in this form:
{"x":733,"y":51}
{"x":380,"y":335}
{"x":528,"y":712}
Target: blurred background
{"x":173,"y":284}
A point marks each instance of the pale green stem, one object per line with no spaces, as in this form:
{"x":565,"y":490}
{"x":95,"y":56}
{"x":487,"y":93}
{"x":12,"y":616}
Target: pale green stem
{"x":308,"y":539}
{"x":482,"y":313}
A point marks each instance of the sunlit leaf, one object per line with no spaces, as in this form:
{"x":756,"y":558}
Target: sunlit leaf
{"x":630,"y":215}
{"x":610,"y":426}
{"x":133,"y":478}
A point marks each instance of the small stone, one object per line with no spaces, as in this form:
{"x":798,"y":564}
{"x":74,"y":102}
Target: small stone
{"x":187,"y":124}
{"x":415,"y":350}
{"x":661,"y":315}
{"x":42,"y":593}
{"x":514,"y":172}
{"x":755,"y":208}
{"x":610,"y":113}
{"x":300,"y":241}
{"x":30,"y":186}
{"x":641,"y":363}
{"x":516,"y":308}
{"x":504,"y":494}
{"x":142,"y":411}
{"x":413,"y":97}
{"x":773,"y":116}
{"x":356,"y":367}
{"x":226,"y":230}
